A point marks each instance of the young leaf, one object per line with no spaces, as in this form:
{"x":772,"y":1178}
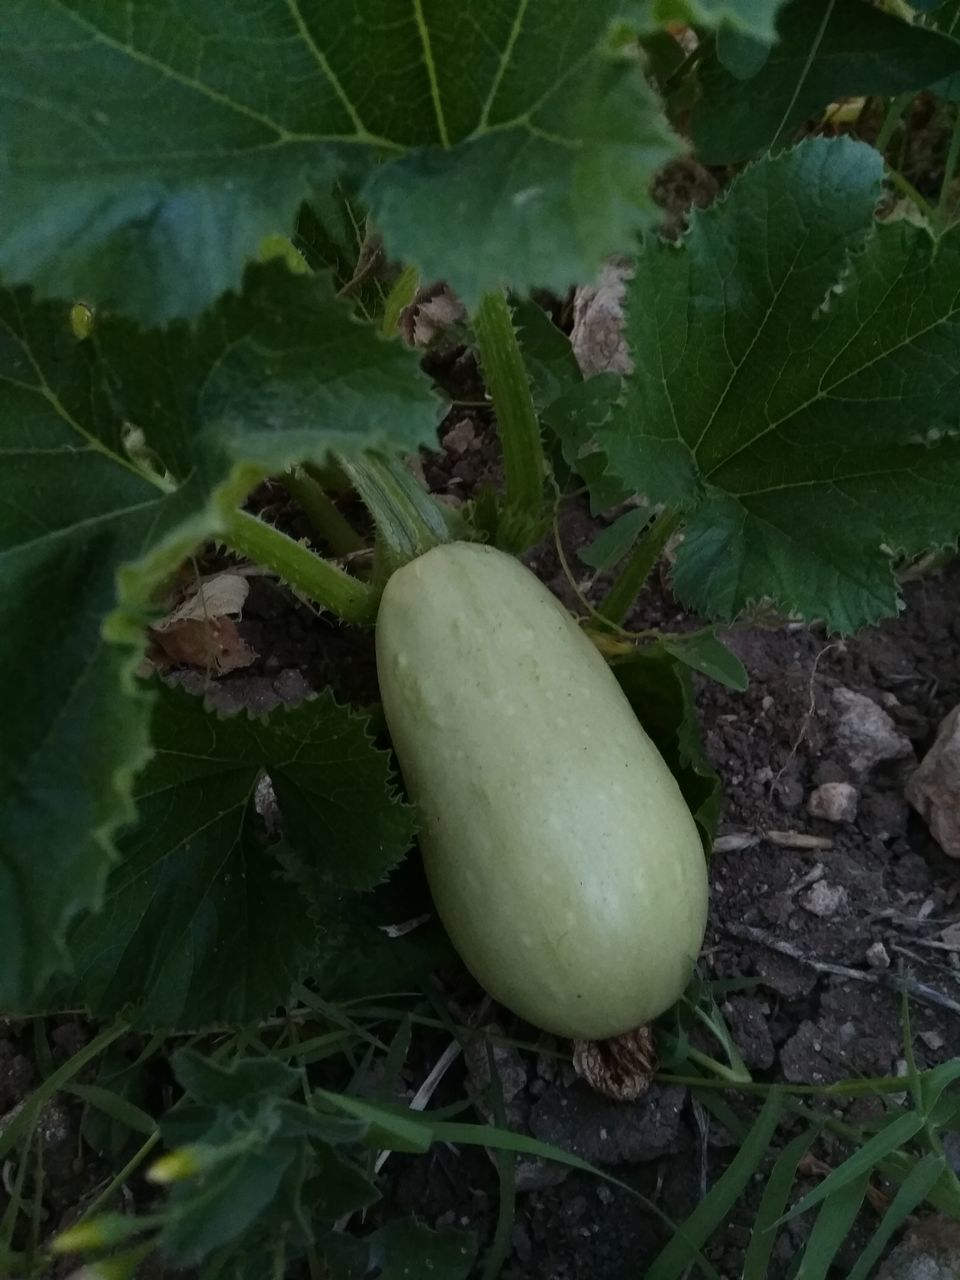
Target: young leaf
{"x":576,"y":417}
{"x":826,"y":50}
{"x":202,"y":921}
{"x":551,"y":365}
{"x":705,"y":653}
{"x":788,"y":395}
{"x":182,"y":140}
{"x":236,"y":1083}
{"x":610,"y":546}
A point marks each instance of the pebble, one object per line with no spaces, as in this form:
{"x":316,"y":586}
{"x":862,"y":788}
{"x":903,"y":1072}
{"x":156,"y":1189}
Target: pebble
{"x":834,"y":802}
{"x":933,"y":1040}
{"x":877,"y":956}
{"x":934,"y":790}
{"x":824,"y":900}
{"x":866,"y":734}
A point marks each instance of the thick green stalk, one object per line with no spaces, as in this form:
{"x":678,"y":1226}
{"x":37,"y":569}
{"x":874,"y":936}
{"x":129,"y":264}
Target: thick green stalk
{"x":635,"y":572}
{"x":409,"y":522}
{"x":509,"y":387}
{"x":323,"y":514}
{"x":321,"y":581}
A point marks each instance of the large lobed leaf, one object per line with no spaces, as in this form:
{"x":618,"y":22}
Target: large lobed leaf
{"x":276,"y":374}
{"x":203,"y":920}
{"x":149,"y":149}
{"x":797,"y":389}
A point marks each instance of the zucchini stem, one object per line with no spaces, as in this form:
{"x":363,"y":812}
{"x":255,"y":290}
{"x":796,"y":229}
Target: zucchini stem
{"x":323,"y":514}
{"x":322,"y":581}
{"x":509,"y":388}
{"x":409,"y":522}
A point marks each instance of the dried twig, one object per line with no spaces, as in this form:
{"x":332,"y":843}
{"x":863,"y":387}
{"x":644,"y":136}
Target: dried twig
{"x":876,"y":978}
{"x":809,"y":714}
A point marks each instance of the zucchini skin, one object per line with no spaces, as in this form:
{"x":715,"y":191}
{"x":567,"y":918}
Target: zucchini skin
{"x":563,"y":861}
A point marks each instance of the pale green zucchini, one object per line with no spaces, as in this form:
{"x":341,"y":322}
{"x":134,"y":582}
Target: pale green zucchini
{"x":563,"y":861}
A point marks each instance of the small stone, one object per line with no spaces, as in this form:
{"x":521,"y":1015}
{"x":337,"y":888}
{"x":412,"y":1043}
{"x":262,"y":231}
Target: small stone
{"x":929,"y":1251}
{"x":767,"y":702}
{"x":824,"y":899}
{"x":934,"y":789}
{"x":460,"y":436}
{"x":877,"y":956}
{"x":834,"y":802}
{"x":866,"y":734}
{"x":933,"y":1040}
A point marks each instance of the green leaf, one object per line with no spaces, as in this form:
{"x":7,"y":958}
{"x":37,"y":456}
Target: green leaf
{"x":235,"y":1083}
{"x":249,"y":1161}
{"x":752,"y":17}
{"x":826,"y":50}
{"x":202,"y":921}
{"x":836,"y":1217}
{"x":72,"y":509}
{"x":576,"y":417}
{"x":609,"y":547}
{"x":659,"y":690}
{"x":87,"y":534}
{"x":407,"y":1249}
{"x":705,"y":653}
{"x":279,"y":374}
{"x":742,"y":55}
{"x":788,"y":395}
{"x":551,"y":365}
{"x":147,"y":178}
{"x":674,"y":1259}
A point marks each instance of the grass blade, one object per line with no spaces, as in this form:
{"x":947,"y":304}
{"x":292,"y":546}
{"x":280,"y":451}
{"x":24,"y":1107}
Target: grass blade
{"x":764,"y":1234}
{"x":674,"y":1259}
{"x":722,"y":1112}
{"x":832,"y":1227}
{"x":914,"y":1190}
{"x":507,"y":1171}
{"x":934,"y":1082}
{"x":897,"y":1133}
{"x":115,"y":1106}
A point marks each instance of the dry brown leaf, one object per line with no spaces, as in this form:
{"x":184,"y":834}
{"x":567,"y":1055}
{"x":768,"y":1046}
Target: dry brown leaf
{"x":201,"y":631}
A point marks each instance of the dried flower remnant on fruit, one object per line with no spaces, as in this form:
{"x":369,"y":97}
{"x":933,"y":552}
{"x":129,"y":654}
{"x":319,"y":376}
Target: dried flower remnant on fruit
{"x":621,"y":1068}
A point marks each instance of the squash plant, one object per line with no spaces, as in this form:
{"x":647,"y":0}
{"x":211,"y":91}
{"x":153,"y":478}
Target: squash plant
{"x":192,"y":196}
